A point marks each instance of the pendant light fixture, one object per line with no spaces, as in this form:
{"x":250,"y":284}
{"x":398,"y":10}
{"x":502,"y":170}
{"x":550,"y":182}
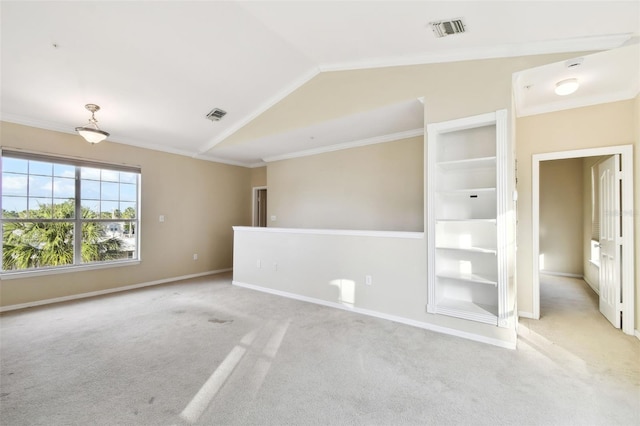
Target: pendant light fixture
{"x":91,"y":132}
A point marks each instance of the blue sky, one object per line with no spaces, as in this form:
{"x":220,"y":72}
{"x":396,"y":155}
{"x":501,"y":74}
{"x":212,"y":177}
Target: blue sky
{"x":28,"y":183}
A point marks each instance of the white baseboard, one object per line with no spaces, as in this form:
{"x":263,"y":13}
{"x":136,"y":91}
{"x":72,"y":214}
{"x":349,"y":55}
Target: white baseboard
{"x":107,"y":291}
{"x":594,"y":288}
{"x":376,"y":314}
{"x":523,"y":314}
{"x":637,"y":333}
{"x":561,"y":274}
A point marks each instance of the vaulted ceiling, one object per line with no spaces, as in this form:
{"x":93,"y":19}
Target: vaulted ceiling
{"x":157,"y":68}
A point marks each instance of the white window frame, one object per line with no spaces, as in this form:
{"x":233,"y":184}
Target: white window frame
{"x":77,"y":220}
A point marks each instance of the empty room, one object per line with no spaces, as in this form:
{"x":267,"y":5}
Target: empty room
{"x":320,"y":212}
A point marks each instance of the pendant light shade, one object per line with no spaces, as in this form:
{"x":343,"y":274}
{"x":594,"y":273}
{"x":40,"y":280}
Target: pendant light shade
{"x":91,"y":132}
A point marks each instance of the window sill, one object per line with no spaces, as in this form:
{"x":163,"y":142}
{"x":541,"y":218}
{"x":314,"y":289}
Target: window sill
{"x":597,"y":265}
{"x":65,"y":270}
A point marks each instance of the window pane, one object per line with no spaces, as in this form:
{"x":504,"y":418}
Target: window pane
{"x":13,"y":206}
{"x":128,"y":177}
{"x":64,"y":170}
{"x":33,"y":190}
{"x":64,"y":188}
{"x":128,"y":192}
{"x":40,"y":208}
{"x":15,"y":165}
{"x":90,"y":209}
{"x":13,"y":184}
{"x":100,"y":243}
{"x":90,"y":189}
{"x":128,"y":210}
{"x":64,"y":208}
{"x":110,"y":176}
{"x":40,"y":186}
{"x":40,"y":168}
{"x":90,"y":173}
{"x":109,"y":191}
{"x":27,"y":245}
{"x":108,"y":209}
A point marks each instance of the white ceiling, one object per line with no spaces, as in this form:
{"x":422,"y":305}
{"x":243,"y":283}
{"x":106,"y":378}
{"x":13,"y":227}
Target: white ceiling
{"x":157,"y":68}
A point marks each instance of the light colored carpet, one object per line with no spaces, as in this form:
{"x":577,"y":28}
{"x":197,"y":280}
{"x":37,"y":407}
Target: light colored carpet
{"x":205,"y":352}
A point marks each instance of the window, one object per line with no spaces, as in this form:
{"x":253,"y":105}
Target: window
{"x":63,"y":213}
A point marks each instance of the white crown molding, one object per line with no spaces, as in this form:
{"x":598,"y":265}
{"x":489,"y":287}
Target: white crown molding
{"x":575,"y":103}
{"x":582,"y":44}
{"x":280,"y":95}
{"x":215,"y":159}
{"x":57,"y":127}
{"x":355,"y":144}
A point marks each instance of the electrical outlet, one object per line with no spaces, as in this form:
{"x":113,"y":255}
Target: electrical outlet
{"x":367,"y":280}
{"x":195,"y":256}
{"x":275,"y":266}
{"x":258,"y":265}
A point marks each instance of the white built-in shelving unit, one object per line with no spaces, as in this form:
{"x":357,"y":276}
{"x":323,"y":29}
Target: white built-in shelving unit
{"x":466,"y":218}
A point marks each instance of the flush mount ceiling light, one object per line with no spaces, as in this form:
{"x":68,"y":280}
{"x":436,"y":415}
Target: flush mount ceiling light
{"x":566,"y":87}
{"x":91,"y":132}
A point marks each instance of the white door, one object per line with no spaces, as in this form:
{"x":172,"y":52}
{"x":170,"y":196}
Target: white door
{"x":610,"y":238}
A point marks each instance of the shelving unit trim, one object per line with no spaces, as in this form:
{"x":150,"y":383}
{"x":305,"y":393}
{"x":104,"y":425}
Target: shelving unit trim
{"x":468,"y":163}
{"x":472,"y":278}
{"x":469,"y":249}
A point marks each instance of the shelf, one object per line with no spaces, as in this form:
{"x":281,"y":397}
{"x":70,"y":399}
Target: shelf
{"x":492,"y":220}
{"x":468,"y":310}
{"x":469,"y":163}
{"x":469,"y":249}
{"x":467,"y":191}
{"x":472,"y":278}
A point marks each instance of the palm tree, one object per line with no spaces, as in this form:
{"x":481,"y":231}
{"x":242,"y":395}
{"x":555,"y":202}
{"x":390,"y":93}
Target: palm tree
{"x":38,"y":244}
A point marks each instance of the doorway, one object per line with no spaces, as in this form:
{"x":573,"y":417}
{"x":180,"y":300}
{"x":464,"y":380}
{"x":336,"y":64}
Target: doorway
{"x":627,"y":238}
{"x":260,"y":206}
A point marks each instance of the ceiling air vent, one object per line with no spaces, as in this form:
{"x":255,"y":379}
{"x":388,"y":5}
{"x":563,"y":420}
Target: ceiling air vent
{"x":216,"y":114}
{"x":445,"y":28}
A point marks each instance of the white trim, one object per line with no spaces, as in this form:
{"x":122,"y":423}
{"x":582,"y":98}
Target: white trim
{"x":107,"y":291}
{"x":627,"y":196}
{"x":14,"y":275}
{"x":376,"y":314}
{"x":56,"y":127}
{"x":593,"y":287}
{"x":561,"y":274}
{"x":343,"y":232}
{"x":579,"y":44}
{"x":523,"y":314}
{"x":637,"y":334}
{"x":347,"y":145}
{"x":280,"y":95}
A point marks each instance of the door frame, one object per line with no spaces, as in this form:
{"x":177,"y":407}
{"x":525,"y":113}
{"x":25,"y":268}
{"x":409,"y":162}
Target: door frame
{"x":626,"y":195}
{"x":254,"y":204}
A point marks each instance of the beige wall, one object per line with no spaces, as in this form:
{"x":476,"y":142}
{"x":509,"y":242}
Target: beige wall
{"x":589,"y":127}
{"x":561,"y":216}
{"x":200,"y":200}
{"x":258,"y":176}
{"x":375,"y":187}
